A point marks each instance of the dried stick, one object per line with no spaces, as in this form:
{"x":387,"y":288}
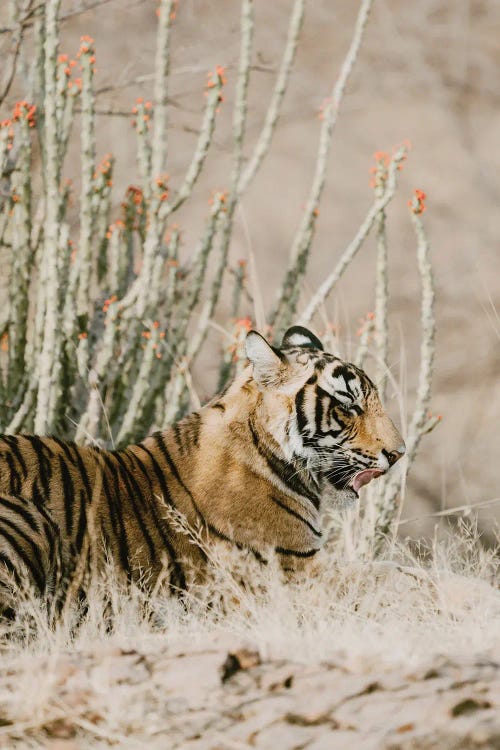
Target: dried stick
{"x":421,"y":421}
{"x":162,"y":63}
{"x":176,"y":387}
{"x":17,"y":40}
{"x":288,"y":294}
{"x":22,"y":257}
{"x":351,"y":250}
{"x":201,"y":148}
{"x":365,"y":332}
{"x":135,"y":301}
{"x":161,"y":210}
{"x":273,"y":111}
{"x":239,"y":125}
{"x":381,"y":336}
{"x":49,"y":361}
{"x":84,"y":257}
{"x":141,"y":388}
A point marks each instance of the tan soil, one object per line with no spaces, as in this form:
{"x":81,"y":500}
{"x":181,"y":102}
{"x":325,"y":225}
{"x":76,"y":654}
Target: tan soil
{"x":176,"y":700}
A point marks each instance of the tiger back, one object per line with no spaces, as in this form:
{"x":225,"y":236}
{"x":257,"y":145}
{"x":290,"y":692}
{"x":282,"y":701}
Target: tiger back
{"x":255,"y":467}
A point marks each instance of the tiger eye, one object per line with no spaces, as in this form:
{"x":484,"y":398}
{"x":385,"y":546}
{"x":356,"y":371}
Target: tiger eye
{"x":344,"y":410}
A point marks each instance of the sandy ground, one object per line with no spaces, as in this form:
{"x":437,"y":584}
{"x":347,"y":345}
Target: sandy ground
{"x":227,"y":698}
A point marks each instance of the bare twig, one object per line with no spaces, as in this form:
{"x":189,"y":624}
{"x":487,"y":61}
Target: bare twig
{"x":10,"y":72}
{"x":351,"y":250}
{"x":49,"y":363}
{"x":421,"y":422}
{"x":288,"y":294}
{"x":273,"y":110}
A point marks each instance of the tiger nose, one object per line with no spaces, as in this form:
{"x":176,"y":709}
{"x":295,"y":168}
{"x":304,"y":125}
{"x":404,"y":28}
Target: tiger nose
{"x":393,"y":456}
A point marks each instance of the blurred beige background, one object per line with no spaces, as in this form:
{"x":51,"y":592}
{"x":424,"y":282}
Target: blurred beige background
{"x":429,"y":72}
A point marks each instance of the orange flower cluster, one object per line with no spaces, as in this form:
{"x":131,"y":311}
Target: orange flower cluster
{"x":4,"y":342}
{"x":220,"y":75}
{"x":142,"y":109}
{"x":383,"y":160}
{"x":154,"y":345}
{"x":104,"y":169}
{"x":77,"y":83}
{"x":407,"y":144}
{"x":364,"y":322}
{"x":87,"y":48}
{"x":83,"y":336}
{"x":119,"y":224}
{"x":382,"y":157}
{"x":324,"y":104}
{"x":108,"y":302}
{"x":67,"y":69}
{"x":241,"y":326}
{"x":220,"y":194}
{"x":86,"y":45}
{"x":162,"y":185}
{"x":133,"y":206}
{"x":135,"y":194}
{"x":245,"y":323}
{"x":173,"y":12}
{"x":417,"y":203}
{"x":68,"y":65}
{"x":23,"y":110}
{"x":439,"y":417}
{"x":219,"y":78}
{"x":379,"y":171}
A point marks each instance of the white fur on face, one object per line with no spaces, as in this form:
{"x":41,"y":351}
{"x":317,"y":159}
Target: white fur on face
{"x":346,"y":393}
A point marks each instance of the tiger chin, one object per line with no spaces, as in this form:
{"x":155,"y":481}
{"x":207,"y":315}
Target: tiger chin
{"x":297,"y":430}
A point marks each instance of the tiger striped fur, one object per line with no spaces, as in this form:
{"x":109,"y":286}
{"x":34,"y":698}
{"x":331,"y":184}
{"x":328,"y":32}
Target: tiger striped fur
{"x":255,"y":466}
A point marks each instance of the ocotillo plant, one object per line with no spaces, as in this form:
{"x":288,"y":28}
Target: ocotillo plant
{"x":101,"y":328}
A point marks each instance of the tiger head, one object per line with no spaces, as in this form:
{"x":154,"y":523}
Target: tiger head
{"x":324,"y":413}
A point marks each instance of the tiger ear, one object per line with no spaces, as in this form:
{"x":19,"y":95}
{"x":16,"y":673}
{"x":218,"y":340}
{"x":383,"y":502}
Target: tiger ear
{"x":267,"y":361}
{"x":299,"y":336}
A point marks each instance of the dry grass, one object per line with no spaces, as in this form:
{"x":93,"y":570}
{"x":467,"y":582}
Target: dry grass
{"x":117,"y":681}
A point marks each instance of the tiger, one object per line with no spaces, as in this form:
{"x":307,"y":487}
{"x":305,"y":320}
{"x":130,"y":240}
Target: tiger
{"x":296,"y":430}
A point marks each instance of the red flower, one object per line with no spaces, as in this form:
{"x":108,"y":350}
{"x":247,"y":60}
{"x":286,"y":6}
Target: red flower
{"x":244,"y":323}
{"x":417,"y":203}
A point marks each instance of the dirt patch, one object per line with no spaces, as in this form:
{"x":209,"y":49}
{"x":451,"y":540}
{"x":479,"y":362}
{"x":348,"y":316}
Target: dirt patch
{"x":147,"y":699}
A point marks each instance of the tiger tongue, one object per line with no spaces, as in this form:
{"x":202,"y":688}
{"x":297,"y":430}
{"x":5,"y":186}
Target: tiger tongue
{"x":363,"y":477}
